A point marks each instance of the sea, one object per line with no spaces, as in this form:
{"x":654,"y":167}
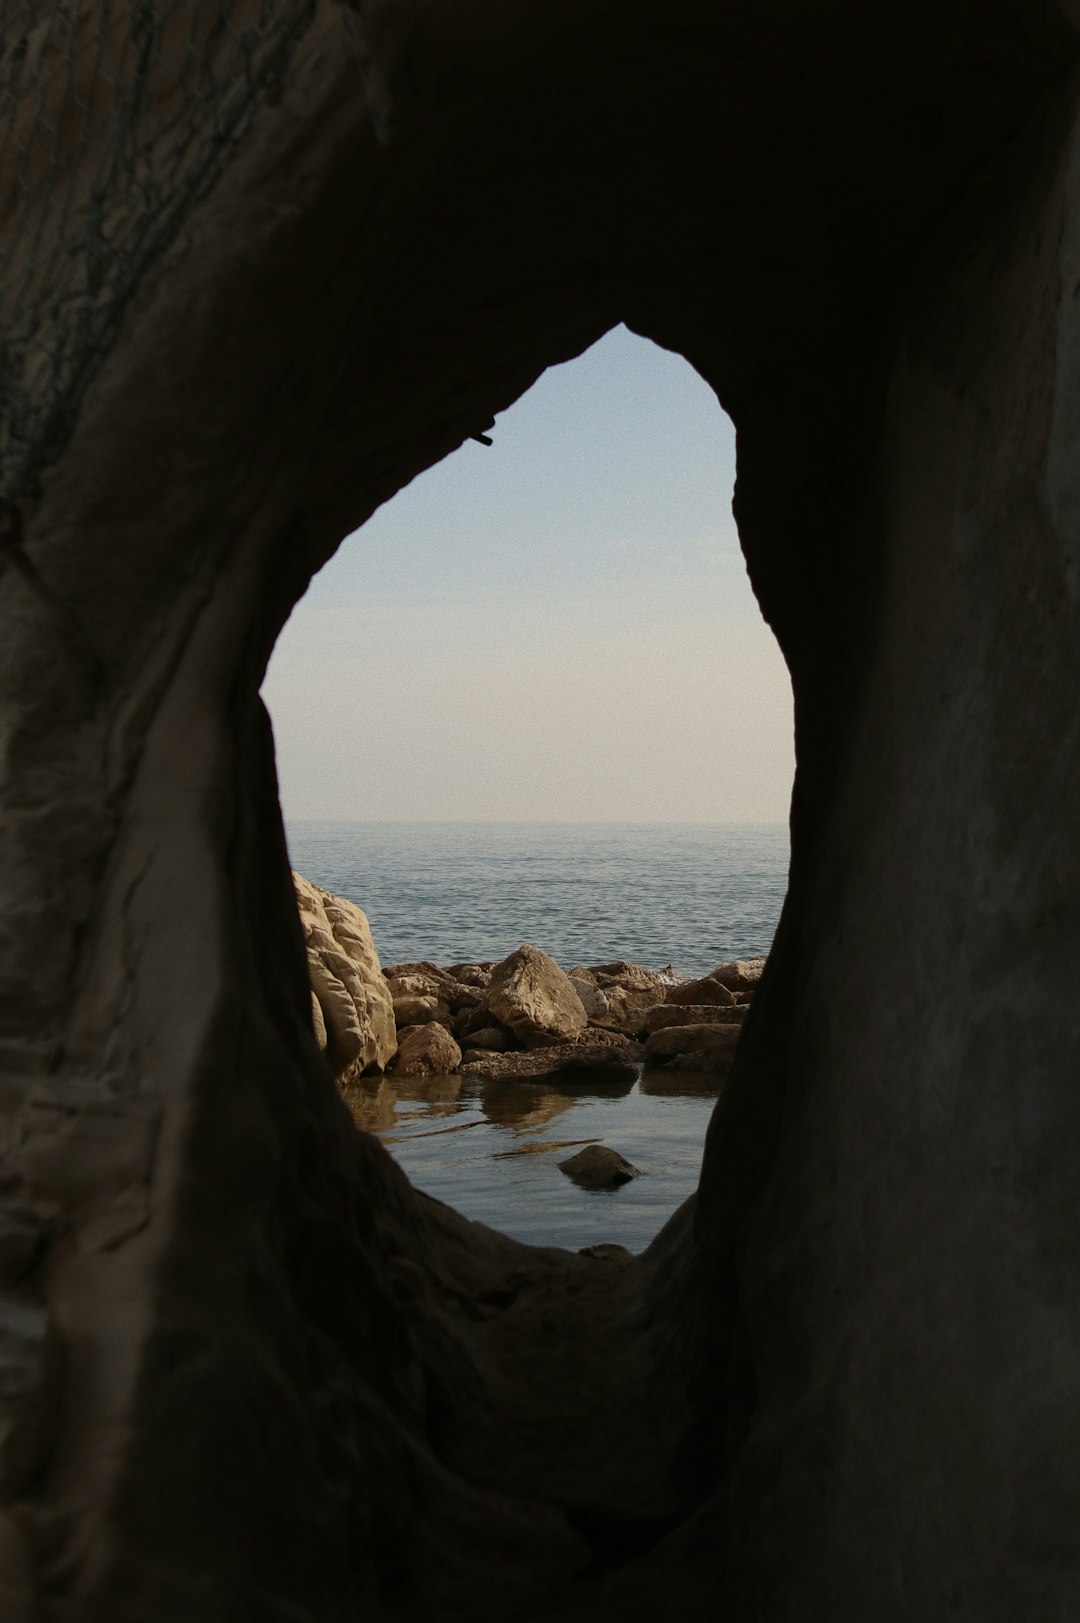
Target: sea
{"x":685,"y":895}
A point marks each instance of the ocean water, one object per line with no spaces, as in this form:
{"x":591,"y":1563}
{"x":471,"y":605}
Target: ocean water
{"x":585,"y":893}
{"x":689,"y":895}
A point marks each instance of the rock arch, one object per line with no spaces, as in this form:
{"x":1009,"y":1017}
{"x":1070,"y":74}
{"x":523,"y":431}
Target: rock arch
{"x":247,"y":1371}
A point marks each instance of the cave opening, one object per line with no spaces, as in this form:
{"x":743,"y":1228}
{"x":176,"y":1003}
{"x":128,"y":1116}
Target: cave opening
{"x":248,"y":1370}
{"x":533,"y":700}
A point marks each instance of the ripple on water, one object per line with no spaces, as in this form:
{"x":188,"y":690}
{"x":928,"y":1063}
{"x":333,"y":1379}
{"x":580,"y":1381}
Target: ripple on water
{"x":491,"y":1149}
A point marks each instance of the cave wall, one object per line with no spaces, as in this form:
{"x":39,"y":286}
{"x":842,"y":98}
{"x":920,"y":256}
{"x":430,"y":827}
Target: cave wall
{"x":248,"y":1372}
{"x":913,"y":1341}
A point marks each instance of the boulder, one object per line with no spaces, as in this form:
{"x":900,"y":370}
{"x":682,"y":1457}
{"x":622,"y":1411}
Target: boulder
{"x":633,"y":977}
{"x":531,"y":995}
{"x":427,"y":1051}
{"x":489,"y":1038}
{"x":597,"y":1167}
{"x":347,"y":980}
{"x":663,"y":1015}
{"x":742,"y":974}
{"x":627,"y":1008}
{"x":414,"y":985}
{"x":419,"y":1011}
{"x":703,"y":991}
{"x":628,"y":1047}
{"x":593,"y":1000}
{"x":568,"y":1062}
{"x":476,"y":975}
{"x":694,"y":1048}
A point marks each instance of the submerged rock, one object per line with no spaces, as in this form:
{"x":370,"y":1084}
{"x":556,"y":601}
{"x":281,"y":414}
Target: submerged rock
{"x":427,"y":1051}
{"x":531,"y":995}
{"x":599,"y":1168}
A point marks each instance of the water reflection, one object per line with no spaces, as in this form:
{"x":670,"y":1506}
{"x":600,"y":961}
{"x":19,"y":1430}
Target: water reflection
{"x":660,"y":1083}
{"x":530,"y":1104}
{"x":375,"y":1101}
{"x":486,"y":1147}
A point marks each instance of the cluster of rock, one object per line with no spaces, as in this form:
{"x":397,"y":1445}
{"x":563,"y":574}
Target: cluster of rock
{"x":524,"y":1018}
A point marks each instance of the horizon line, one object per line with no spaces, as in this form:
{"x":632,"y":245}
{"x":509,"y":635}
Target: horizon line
{"x":544,"y":822}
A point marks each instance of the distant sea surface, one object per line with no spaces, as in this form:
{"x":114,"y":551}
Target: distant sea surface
{"x":689,"y":895}
{"x":586,"y":893}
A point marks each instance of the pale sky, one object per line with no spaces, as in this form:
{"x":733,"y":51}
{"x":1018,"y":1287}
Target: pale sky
{"x":558,"y":628}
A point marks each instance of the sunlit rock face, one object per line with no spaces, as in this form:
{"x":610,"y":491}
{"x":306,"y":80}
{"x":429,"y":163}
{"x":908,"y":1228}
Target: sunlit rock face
{"x":249,"y":1373}
{"x":354,"y":1001}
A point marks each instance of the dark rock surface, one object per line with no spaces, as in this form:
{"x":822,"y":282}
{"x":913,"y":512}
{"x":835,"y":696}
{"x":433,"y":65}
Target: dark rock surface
{"x":662,"y":1015}
{"x":694,"y":1048}
{"x":599,"y":1167}
{"x":843,"y":1382}
{"x":596,"y":1062}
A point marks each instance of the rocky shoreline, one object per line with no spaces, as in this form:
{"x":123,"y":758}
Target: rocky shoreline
{"x":523,"y":1018}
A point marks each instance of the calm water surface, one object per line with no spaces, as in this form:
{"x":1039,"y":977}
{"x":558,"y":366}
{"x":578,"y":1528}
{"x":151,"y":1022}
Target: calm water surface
{"x":688,"y":895}
{"x":586,"y":893}
{"x":491,"y":1149}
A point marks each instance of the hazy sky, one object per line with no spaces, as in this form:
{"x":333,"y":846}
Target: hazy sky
{"x":559,"y":627}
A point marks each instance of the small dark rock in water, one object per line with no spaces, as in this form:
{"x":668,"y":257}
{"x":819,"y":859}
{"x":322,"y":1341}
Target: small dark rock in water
{"x":606,"y":1252}
{"x":599,"y":1168}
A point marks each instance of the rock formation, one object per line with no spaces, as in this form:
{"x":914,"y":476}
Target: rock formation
{"x":706,"y":1047}
{"x":598,"y":1167}
{"x":535,"y":999}
{"x":427,"y":1050}
{"x":358,"y":1026}
{"x":247,"y":1372}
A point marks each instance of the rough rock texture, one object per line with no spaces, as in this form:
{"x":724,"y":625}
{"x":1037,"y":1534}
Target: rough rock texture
{"x":842,"y":1384}
{"x":598,"y":1062}
{"x":475,"y":975}
{"x":427,"y":1050}
{"x":411,"y":1010}
{"x":490,"y":1038}
{"x":627,"y":1046}
{"x":634,"y":978}
{"x":709,"y":990}
{"x":599,"y":1167}
{"x":530,"y":994}
{"x":740,"y":975}
{"x":662,"y":1015}
{"x":347,"y":981}
{"x":593,"y":1000}
{"x":694,"y":1048}
{"x":627,"y":1007}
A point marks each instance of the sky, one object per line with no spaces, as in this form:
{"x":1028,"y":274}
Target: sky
{"x":555,"y":628}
